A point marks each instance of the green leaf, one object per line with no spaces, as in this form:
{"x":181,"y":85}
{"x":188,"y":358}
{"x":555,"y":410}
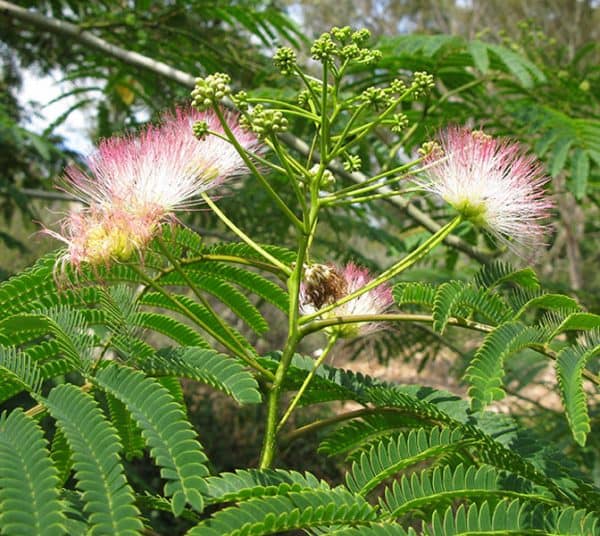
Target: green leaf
{"x":17,"y":373}
{"x":579,"y":174}
{"x":570,"y":364}
{"x":479,"y":53}
{"x":95,"y":450}
{"x":578,"y":322}
{"x":508,"y":517}
{"x":446,"y":297}
{"x":432,"y":488}
{"x":178,"y":331}
{"x":385,"y":458}
{"x":251,"y":281}
{"x":414,"y":293}
{"x":205,"y":318}
{"x":208,"y":366}
{"x":559,"y":155}
{"x":128,"y":430}
{"x":61,"y":455}
{"x":518,"y":65}
{"x":29,"y":502}
{"x":244,"y":484}
{"x":550,"y":302}
{"x":163,"y":424}
{"x":486,"y":371}
{"x":226,"y":293}
{"x":289,"y":512}
{"x":356,"y":433}
{"x":498,"y":273}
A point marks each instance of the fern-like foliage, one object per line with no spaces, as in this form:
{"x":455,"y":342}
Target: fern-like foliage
{"x":570,"y":365}
{"x":29,"y":500}
{"x":354,"y":434}
{"x":245,"y":484}
{"x":516,"y":315}
{"x":385,"y":458}
{"x":170,"y":437}
{"x":292,"y":511}
{"x":99,"y":472}
{"x":430,"y":489}
{"x":487,"y":368}
{"x":218,"y":370}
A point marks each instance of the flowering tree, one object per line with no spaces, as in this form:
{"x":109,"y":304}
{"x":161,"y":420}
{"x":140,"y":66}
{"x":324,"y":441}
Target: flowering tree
{"x":422,"y":461}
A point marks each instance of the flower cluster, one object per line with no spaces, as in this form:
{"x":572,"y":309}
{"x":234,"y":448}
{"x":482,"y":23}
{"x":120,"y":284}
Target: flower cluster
{"x":136,"y":183}
{"x":492,"y":183}
{"x":324,"y":284}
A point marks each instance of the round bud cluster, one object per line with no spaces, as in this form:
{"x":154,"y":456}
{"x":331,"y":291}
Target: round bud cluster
{"x":398,"y":86}
{"x":323,"y":48}
{"x":209,"y":90}
{"x":342,"y":34}
{"x":360,"y":37}
{"x":375,"y":96}
{"x":285,"y":60}
{"x":345,"y":45}
{"x":422,"y":83}
{"x":200,"y":129}
{"x":370,"y":57}
{"x":351,"y":51}
{"x":264,"y":122}
{"x":352,"y":163}
{"x":240,"y":99}
{"x":432,"y":148}
{"x":327,"y":178}
{"x":399,"y":123}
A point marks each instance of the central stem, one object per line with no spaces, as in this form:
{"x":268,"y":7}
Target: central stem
{"x":270,"y":439}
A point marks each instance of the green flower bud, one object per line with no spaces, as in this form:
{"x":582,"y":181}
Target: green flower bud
{"x":342,"y":34}
{"x":200,"y":129}
{"x":400,"y":122}
{"x":422,"y":83}
{"x":240,"y":99}
{"x":285,"y":60}
{"x":398,"y":86}
{"x":375,"y":96}
{"x":209,"y":90}
{"x":352,"y":163}
{"x":264,"y":122}
{"x":323,"y":48}
{"x":360,"y":37}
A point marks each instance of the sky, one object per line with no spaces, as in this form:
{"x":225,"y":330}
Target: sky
{"x":46,"y":88}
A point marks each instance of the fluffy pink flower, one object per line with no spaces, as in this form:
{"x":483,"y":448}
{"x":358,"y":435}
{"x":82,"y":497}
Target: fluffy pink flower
{"x":165,"y":167}
{"x":326,"y":284}
{"x":491,"y":182}
{"x":137,"y":182}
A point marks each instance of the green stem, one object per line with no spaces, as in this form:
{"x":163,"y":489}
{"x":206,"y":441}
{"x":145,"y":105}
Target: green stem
{"x":358,"y":188}
{"x":198,"y":321}
{"x":330,"y":343}
{"x":318,"y":325}
{"x":324,"y":117}
{"x":248,"y":161}
{"x":290,"y":172}
{"x":270,"y":437}
{"x":365,"y":198}
{"x":244,"y":236}
{"x":394,"y":270}
{"x":323,"y":423}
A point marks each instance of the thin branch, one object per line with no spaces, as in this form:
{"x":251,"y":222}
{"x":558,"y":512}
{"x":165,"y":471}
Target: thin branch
{"x":400,"y":202}
{"x":138,"y":60}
